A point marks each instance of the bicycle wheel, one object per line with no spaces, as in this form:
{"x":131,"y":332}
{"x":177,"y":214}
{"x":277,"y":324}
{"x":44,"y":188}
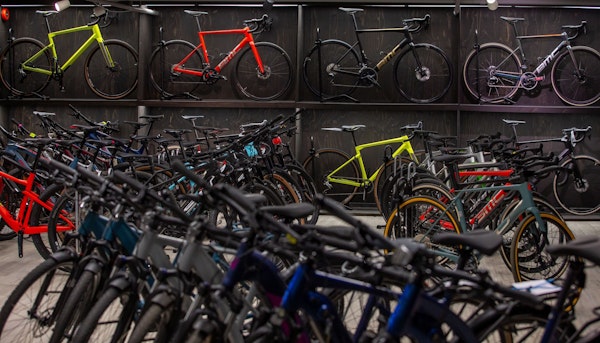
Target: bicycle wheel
{"x":18,"y":81}
{"x":164,"y":79}
{"x":528,"y":256}
{"x":29,"y":312}
{"x":492,"y":73}
{"x":576,"y":186}
{"x":420,"y":218}
{"x":508,"y":233}
{"x":331,"y":69}
{"x":307,"y":188}
{"x":276,"y":79}
{"x":422,"y":73}
{"x":41,"y":217}
{"x":10,"y":197}
{"x":524,"y":327}
{"x":78,"y":303}
{"x":574,"y":76}
{"x":109,"y":320}
{"x":322,"y":163}
{"x":154,"y":323}
{"x":112,"y":82}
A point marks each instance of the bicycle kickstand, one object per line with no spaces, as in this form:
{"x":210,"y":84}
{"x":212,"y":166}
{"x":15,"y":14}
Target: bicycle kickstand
{"x":20,"y":244}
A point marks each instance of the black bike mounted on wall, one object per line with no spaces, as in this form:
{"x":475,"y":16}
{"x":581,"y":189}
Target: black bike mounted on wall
{"x":422,"y":73}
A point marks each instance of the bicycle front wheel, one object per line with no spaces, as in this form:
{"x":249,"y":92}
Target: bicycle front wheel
{"x":528,"y":256}
{"x":112,"y":82}
{"x":164,"y":78}
{"x":576,"y":186}
{"x":17,"y":80}
{"x":331,"y":69}
{"x":422,"y":73}
{"x":29,"y":312}
{"x":271,"y":84}
{"x":575,"y":76}
{"x":492,"y":73}
{"x":325,"y":161}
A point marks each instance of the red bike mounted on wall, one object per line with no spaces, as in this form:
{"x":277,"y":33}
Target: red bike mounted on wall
{"x":263,"y":70}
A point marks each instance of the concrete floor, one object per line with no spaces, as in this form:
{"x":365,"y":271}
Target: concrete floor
{"x":14,"y":268}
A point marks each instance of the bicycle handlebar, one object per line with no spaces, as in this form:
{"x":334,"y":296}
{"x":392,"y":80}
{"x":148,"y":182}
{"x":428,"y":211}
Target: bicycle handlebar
{"x":259,"y":25}
{"x":577,"y":28}
{"x":575,"y":135}
{"x":415,"y":25}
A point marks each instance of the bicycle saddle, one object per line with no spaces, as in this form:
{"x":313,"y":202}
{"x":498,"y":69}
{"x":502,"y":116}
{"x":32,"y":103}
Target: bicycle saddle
{"x":192,"y":117}
{"x":195,"y":13}
{"x":512,"y":19}
{"x":351,"y":10}
{"x":152,"y":117}
{"x":513,"y":122}
{"x":46,"y":13}
{"x":587,"y":247}
{"x":484,"y":241}
{"x":344,"y":128}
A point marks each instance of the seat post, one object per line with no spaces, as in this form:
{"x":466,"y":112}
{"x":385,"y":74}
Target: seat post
{"x":47,"y":24}
{"x":353,"y":138}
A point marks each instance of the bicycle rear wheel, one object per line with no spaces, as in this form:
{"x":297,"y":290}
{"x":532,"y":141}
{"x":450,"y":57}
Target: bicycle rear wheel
{"x":492,"y":73}
{"x":420,"y":218}
{"x":112,"y":82}
{"x":322,"y":163}
{"x":422,"y":73}
{"x":576,"y":187}
{"x":168,"y":82}
{"x":270,"y":85}
{"x":331,"y":69}
{"x":573,"y":76}
{"x":18,"y":81}
{"x":528,"y":256}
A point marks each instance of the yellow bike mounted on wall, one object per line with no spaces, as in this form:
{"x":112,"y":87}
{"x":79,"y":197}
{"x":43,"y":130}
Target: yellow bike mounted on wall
{"x":110,"y":70}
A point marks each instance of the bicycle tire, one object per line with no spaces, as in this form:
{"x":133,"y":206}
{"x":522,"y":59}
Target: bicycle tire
{"x":10,"y":199}
{"x":270,"y":85}
{"x":542,"y":205}
{"x":528,"y":256}
{"x":307,"y":188}
{"x":116,"y":82}
{"x":423,"y":73}
{"x":420,"y":218}
{"x":162,"y":77}
{"x":78,"y":303}
{"x":109,"y":320}
{"x":43,"y":286}
{"x":337,"y":74}
{"x":323,"y":162}
{"x":64,"y":206}
{"x":154,"y":323}
{"x":21,"y":83}
{"x":578,"y":195}
{"x":570,"y":88}
{"x":479,"y":73}
{"x":40,"y":216}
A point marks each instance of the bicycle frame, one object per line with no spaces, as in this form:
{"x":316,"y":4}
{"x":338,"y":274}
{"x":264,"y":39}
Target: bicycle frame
{"x":387,"y":58}
{"x":525,"y":205}
{"x":546,"y":62}
{"x":405,"y":146}
{"x":247,"y":39}
{"x":96,"y":36}
{"x":20,"y":223}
